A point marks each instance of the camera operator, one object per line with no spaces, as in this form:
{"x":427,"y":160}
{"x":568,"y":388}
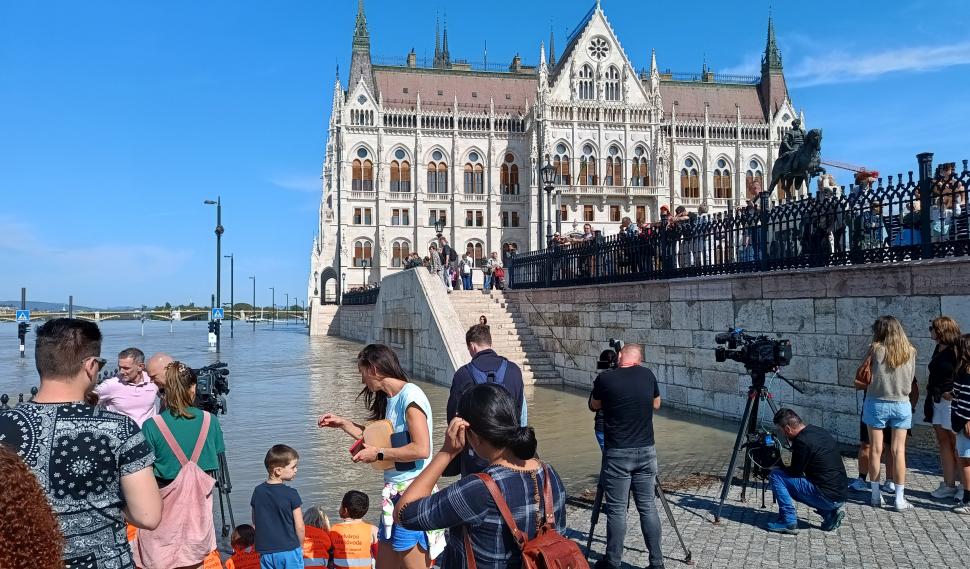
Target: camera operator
{"x":816,"y":475}
{"x":628,"y":396}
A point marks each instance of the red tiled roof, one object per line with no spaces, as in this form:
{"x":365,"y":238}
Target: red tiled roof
{"x":473,"y":89}
{"x":691,"y":96}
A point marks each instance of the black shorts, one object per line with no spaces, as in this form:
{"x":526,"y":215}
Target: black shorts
{"x":887,"y":434}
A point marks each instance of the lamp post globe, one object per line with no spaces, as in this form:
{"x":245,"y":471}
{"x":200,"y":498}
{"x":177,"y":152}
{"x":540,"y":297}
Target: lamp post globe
{"x":439,"y":225}
{"x":548,"y":175}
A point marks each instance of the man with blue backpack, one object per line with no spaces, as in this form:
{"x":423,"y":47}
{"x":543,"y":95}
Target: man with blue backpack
{"x":486,"y":367}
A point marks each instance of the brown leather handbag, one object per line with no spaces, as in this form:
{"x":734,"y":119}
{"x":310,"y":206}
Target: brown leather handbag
{"x":549,"y":549}
{"x":863,"y":375}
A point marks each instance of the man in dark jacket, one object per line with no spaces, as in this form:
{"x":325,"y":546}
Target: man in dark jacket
{"x":486,"y":366}
{"x":816,"y":475}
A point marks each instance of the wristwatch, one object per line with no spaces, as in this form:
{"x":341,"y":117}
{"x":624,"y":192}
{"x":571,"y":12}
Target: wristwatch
{"x":380,"y":454}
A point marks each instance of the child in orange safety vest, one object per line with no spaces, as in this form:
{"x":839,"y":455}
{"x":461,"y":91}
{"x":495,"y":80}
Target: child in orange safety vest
{"x":244,"y":548}
{"x":353,"y":539}
{"x":316,"y":542}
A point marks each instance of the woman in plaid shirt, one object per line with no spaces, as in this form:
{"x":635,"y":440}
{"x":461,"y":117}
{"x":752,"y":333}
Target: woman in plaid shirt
{"x":488,"y":422}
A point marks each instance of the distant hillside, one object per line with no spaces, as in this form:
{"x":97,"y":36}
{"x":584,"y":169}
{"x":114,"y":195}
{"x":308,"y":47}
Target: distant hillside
{"x":45,"y":306}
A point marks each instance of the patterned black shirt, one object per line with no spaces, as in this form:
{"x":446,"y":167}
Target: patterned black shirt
{"x":466,"y":505}
{"x":79,"y":454}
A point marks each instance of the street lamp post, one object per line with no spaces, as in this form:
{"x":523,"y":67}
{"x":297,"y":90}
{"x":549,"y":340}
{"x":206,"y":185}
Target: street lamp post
{"x":219,"y":231}
{"x":439,"y":225}
{"x":254,"y":301}
{"x":273,"y":290}
{"x":548,"y":174}
{"x":363,"y":264}
{"x":232,"y":293}
{"x":286,"y":311}
{"x":343,"y":283}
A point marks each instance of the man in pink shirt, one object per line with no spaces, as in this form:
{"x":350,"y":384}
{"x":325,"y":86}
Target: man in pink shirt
{"x":132,"y":392}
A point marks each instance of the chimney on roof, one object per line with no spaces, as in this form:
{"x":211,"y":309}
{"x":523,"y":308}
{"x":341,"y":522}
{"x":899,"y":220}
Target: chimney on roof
{"x":412,"y":59}
{"x":516,"y":65}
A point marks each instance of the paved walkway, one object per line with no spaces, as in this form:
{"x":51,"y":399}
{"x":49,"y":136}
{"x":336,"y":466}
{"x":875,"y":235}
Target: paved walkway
{"x":930,"y":535}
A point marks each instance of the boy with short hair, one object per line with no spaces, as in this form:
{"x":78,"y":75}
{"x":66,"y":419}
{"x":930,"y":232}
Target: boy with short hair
{"x":243,"y":542}
{"x":353,"y":539}
{"x":277,"y":514}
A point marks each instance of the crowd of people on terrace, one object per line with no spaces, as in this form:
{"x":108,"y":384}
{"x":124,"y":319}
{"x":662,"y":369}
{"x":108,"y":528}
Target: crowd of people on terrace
{"x":121,"y":474}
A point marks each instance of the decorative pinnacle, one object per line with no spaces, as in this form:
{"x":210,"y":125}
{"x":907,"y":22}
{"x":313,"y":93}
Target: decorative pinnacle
{"x":361,"y":37}
{"x":772,"y":57}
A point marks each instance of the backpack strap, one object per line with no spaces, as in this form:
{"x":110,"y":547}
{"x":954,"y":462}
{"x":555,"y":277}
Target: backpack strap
{"x":503,"y":509}
{"x":549,"y":505}
{"x":469,"y":552}
{"x":203,"y":433}
{"x":170,"y":439}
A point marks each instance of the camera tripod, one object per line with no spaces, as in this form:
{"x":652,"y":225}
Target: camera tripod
{"x":757,"y":392}
{"x":658,"y":492}
{"x":224,"y":484}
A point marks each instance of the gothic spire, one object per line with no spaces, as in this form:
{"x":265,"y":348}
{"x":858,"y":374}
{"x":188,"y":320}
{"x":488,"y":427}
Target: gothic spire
{"x":445,"y":56}
{"x":361,"y":37}
{"x":771,"y":61}
{"x":552,"y":48}
{"x":437,"y":41}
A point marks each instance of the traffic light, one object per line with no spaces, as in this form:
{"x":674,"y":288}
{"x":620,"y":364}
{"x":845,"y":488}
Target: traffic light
{"x":22,"y":330}
{"x":217,"y":327}
{"x":212,"y":326}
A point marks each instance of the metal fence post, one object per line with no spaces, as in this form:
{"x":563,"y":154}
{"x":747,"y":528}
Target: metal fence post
{"x":763,"y":233}
{"x":925,"y":186}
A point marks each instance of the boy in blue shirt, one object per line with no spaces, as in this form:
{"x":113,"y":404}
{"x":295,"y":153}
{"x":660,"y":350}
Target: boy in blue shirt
{"x":277,"y":514}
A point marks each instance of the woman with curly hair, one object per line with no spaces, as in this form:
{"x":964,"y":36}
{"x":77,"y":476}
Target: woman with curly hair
{"x":26,"y":519}
{"x":889,"y":403}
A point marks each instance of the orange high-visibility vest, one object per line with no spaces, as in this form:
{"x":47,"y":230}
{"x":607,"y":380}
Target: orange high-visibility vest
{"x":316,"y":547}
{"x":351,"y":543}
{"x":244,"y":559}
{"x":212,"y":561}
{"x":132,"y":533}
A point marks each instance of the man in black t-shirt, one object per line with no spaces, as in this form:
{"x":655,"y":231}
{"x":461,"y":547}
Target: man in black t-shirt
{"x":816,"y":475}
{"x":628,"y":396}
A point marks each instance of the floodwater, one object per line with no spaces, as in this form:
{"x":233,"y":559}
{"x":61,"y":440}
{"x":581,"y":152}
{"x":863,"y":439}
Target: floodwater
{"x":281,"y":380}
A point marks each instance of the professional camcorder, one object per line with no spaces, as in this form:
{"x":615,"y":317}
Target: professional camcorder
{"x":609,"y":358}
{"x":764,"y":450}
{"x":759,"y":353}
{"x":211,"y":388}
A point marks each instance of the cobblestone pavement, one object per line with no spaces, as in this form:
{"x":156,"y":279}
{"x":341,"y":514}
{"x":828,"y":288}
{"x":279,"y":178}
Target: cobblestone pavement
{"x":928,"y":536}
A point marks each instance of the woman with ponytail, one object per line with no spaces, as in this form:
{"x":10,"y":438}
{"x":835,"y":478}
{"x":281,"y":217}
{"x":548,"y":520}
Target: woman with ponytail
{"x":486,"y":421}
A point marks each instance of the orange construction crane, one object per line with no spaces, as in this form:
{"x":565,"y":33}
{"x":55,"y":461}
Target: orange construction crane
{"x":861,"y":172}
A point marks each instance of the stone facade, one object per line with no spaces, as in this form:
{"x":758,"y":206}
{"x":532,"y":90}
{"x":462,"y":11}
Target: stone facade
{"x":826,"y":313}
{"x":626,"y":142}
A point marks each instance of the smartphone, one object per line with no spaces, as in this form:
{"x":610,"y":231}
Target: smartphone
{"x":357,"y":447}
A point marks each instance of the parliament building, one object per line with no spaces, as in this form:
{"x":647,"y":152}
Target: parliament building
{"x":458,"y":144}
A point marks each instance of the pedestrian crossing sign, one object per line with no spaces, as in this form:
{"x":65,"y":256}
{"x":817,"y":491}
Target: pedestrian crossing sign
{"x":23,"y":316}
{"x":218,"y":313}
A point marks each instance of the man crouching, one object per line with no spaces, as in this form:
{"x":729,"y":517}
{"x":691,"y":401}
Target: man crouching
{"x":816,"y":475}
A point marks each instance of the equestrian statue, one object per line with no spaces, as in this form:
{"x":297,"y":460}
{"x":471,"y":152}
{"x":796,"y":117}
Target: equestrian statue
{"x":799,"y":159}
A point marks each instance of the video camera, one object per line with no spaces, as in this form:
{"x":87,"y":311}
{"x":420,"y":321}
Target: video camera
{"x":758,"y":353}
{"x":211,"y":388}
{"x":609,"y":358}
{"x":764,"y":450}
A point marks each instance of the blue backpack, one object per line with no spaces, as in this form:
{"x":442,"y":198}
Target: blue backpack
{"x":497,"y":377}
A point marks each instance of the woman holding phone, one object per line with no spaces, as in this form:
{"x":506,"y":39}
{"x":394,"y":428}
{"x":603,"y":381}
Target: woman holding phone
{"x":390,"y":396}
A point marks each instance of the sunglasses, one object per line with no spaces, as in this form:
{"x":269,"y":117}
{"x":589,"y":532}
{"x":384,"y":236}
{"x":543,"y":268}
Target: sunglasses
{"x":101,"y":361}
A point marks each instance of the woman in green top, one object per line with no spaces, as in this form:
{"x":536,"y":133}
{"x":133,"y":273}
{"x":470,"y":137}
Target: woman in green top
{"x":185,"y":422}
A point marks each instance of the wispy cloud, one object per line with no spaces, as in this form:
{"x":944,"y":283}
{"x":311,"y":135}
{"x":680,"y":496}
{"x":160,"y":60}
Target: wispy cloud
{"x":750,"y":65}
{"x":846,"y":67}
{"x":296,"y":183}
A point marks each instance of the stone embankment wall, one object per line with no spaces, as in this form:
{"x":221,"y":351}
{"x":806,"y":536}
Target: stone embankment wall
{"x":826,"y":313}
{"x":409,"y":316}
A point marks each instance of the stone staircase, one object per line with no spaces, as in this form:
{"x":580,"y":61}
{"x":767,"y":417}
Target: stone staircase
{"x":511,"y":335}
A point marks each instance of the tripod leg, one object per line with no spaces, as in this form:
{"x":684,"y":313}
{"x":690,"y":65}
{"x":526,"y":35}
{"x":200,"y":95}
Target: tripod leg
{"x":670,"y":517}
{"x":734,"y":454}
{"x":595,"y":515}
{"x":752,"y":428}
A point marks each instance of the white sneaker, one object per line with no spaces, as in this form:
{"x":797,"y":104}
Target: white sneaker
{"x":944,"y":491}
{"x":902,"y":505}
{"x":963,"y":508}
{"x":860,"y":485}
{"x":889,"y":487}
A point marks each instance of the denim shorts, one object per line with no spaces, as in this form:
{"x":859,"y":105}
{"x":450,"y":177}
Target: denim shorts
{"x":963,"y":445}
{"x":880,"y":414}
{"x":282,"y":560}
{"x":403,"y":539}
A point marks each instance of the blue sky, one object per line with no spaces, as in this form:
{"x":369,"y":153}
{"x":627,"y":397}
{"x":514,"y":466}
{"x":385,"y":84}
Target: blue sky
{"x":117,"y":119}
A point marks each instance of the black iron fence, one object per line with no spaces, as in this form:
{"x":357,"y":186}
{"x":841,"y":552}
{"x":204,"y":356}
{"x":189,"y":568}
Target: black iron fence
{"x":361,"y":296}
{"x":901,"y":219}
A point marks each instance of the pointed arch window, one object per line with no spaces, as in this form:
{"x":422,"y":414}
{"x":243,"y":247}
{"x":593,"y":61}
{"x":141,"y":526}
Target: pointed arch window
{"x":586,"y":90}
{"x":561,"y":163}
{"x":722,"y":180}
{"x":509,"y":176}
{"x":400,"y":249}
{"x":362,"y":172}
{"x":474,"y":179}
{"x":754,"y":180}
{"x":477,"y":250}
{"x":640,"y":168}
{"x":400,"y":176}
{"x":437,"y":178}
{"x":363,"y":252}
{"x":689,"y":182}
{"x":588,"y":172}
{"x":614,"y":168}
{"x":612,"y":86}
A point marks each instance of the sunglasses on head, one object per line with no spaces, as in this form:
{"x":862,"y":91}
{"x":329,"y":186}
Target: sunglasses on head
{"x":101,"y":361}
